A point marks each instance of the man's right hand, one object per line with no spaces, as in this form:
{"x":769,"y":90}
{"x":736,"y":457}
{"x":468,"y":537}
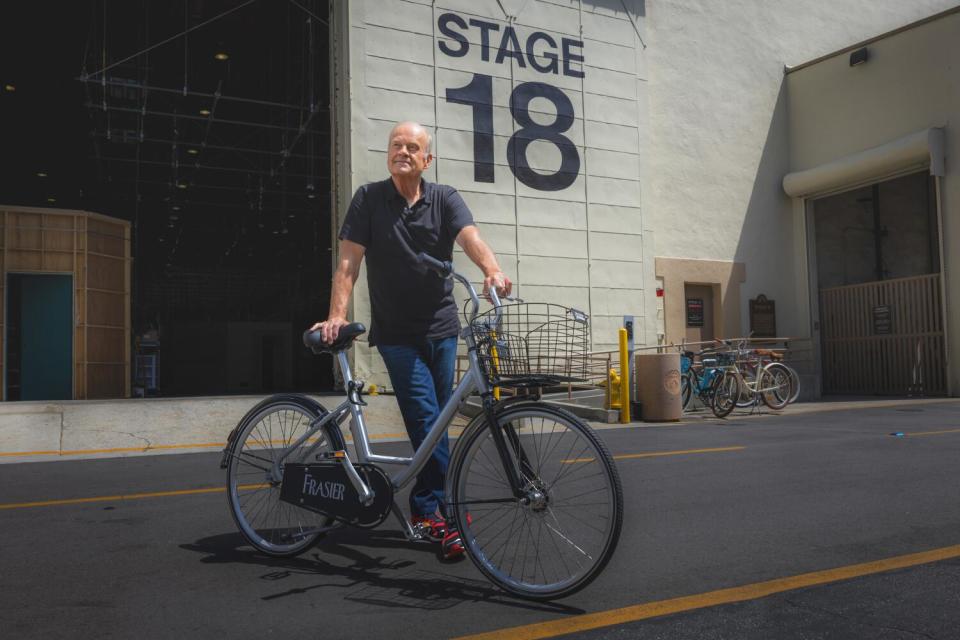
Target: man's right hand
{"x":329,"y":328}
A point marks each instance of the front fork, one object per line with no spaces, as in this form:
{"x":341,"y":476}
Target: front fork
{"x":519,"y":473}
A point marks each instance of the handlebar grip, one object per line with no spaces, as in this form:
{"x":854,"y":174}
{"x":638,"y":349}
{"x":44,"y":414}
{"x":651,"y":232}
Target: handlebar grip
{"x":442,"y":268}
{"x":313,"y":339}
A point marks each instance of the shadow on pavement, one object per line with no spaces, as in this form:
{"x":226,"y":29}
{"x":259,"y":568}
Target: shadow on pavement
{"x":370,"y":579}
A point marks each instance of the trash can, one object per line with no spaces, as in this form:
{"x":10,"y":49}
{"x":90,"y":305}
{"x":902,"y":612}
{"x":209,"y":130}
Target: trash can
{"x":658,"y":386}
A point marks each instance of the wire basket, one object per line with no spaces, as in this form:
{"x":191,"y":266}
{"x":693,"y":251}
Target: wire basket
{"x":532,"y":344}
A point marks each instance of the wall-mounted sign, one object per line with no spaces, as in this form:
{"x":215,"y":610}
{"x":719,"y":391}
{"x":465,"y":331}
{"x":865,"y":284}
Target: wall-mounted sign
{"x":694,"y":312}
{"x":763,"y":317}
{"x":882,"y":320}
{"x":544,"y":53}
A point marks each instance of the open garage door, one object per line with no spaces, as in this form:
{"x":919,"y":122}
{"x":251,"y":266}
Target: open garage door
{"x":207,"y":126}
{"x":880,"y":289}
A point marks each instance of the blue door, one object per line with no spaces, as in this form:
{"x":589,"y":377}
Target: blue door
{"x":46,"y":336}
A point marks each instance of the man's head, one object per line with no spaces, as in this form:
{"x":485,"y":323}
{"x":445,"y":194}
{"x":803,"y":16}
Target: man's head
{"x":408,"y":150}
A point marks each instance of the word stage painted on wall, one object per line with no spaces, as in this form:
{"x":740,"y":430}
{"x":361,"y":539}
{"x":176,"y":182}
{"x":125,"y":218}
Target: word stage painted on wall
{"x":542,"y":53}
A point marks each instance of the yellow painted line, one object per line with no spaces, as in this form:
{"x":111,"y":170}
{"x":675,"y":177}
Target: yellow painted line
{"x":713,"y":598}
{"x":129,"y":496}
{"x":659,"y":454}
{"x":156,"y":447}
{"x":930,"y":433}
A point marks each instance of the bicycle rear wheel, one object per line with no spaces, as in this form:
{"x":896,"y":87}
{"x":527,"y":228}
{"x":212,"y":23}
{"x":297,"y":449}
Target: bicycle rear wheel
{"x":253,"y":486}
{"x":726,"y":391}
{"x":686,"y":390}
{"x":776,"y":385}
{"x":557,"y":536}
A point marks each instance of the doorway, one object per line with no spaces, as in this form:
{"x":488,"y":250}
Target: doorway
{"x":39,"y":337}
{"x":879,"y":279}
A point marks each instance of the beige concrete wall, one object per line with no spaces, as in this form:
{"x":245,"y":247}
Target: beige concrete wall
{"x":681,"y":125}
{"x":719,"y":141}
{"x":582,"y":245}
{"x":910,"y":83}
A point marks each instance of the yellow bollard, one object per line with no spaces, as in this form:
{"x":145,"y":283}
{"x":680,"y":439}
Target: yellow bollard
{"x":373,"y":390}
{"x":624,"y":379}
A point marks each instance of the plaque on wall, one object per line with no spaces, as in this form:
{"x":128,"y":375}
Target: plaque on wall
{"x":882,"y":320}
{"x":763,"y":317}
{"x":694,"y":312}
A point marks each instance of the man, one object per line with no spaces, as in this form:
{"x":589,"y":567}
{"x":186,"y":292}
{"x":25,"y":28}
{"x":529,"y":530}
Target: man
{"x":415,"y":318}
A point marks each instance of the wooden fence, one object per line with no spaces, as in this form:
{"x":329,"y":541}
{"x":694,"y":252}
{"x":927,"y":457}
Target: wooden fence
{"x":884,"y":337}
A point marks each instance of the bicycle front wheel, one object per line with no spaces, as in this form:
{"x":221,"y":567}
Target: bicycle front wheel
{"x":253,"y":479}
{"x":558,"y":534}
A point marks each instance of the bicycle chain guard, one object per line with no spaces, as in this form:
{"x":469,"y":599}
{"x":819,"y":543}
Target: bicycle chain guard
{"x":323,"y":487}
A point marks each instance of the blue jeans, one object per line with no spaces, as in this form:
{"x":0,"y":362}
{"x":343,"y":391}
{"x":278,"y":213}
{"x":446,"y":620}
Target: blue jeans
{"x":422,"y":377}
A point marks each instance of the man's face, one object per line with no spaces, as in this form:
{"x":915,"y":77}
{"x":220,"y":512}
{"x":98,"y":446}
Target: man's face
{"x":406,"y":154}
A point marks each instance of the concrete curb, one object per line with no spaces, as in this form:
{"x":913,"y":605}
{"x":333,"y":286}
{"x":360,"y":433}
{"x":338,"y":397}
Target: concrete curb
{"x":46,"y":431}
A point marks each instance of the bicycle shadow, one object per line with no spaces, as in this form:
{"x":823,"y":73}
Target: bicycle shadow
{"x":370,"y":579}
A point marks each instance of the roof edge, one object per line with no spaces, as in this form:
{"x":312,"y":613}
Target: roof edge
{"x":853,"y":47}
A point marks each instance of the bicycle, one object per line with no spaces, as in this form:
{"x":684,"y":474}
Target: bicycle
{"x":698,"y":379}
{"x":532,"y":490}
{"x":773,"y":387}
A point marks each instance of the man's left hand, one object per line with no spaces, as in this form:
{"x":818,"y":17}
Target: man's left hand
{"x":500,"y":282}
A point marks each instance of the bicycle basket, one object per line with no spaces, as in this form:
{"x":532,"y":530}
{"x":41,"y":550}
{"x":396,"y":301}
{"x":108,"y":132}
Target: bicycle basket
{"x":532,"y":344}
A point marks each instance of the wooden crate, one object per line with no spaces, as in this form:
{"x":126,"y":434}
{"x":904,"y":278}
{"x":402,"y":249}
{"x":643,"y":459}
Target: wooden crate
{"x":95,"y":250}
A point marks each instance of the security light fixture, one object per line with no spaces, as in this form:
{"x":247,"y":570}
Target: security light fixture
{"x":221,"y":56}
{"x":858,"y":57}
{"x":204,"y":112}
{"x":9,"y":87}
{"x":193,"y":151}
{"x":181,"y":185}
{"x":41,"y":174}
{"x":51,"y":200}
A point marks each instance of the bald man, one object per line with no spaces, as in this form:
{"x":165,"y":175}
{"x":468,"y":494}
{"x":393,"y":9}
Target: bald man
{"x":415,"y":322}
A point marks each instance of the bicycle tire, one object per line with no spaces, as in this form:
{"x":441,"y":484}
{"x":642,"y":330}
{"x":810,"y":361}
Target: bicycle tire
{"x":576,"y":526}
{"x":686,"y":390}
{"x":273,"y":527}
{"x":777,"y":386}
{"x":726,"y":390}
{"x":746,"y":397}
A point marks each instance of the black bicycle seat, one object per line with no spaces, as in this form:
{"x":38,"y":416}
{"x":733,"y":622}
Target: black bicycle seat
{"x":348,"y":333}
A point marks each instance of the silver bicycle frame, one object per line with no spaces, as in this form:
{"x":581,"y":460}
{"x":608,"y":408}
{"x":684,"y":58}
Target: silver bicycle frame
{"x":474,"y":380}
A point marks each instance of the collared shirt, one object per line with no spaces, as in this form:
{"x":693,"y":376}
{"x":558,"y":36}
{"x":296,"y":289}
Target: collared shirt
{"x":408,"y":301}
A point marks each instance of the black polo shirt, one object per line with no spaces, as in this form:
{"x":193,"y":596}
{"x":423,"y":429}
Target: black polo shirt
{"x":409,"y":302}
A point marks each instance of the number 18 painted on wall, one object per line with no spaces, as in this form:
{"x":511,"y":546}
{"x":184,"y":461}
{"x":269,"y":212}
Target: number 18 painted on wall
{"x":478,"y":95}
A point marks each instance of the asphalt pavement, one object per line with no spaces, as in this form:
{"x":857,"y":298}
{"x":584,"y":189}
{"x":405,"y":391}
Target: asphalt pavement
{"x":820,"y":525}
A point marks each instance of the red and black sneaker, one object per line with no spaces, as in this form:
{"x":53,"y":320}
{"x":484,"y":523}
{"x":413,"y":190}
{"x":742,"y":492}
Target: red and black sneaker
{"x":433,"y":528}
